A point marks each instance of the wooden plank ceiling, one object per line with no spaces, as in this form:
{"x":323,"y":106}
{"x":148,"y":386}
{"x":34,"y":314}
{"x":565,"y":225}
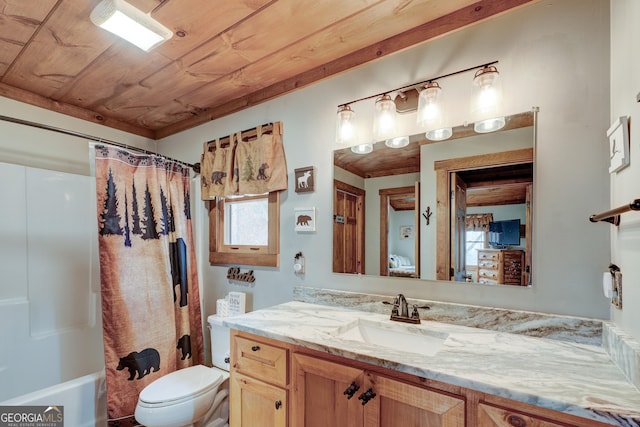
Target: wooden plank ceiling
{"x":226,"y":55}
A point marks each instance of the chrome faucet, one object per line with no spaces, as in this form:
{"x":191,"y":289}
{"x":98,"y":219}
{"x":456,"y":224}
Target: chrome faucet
{"x":400,"y":310}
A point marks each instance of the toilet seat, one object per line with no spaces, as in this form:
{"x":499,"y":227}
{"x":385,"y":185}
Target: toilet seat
{"x":182,"y":385}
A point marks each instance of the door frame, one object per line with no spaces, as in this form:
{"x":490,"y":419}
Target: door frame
{"x":443,"y":169}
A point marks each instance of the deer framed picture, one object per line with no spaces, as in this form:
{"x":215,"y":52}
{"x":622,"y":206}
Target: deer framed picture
{"x":305,"y":179}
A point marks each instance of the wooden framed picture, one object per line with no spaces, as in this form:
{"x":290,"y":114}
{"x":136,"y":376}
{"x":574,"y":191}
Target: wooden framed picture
{"x":305,"y":219}
{"x":618,"y":135}
{"x":406,"y":232}
{"x":305,"y":179}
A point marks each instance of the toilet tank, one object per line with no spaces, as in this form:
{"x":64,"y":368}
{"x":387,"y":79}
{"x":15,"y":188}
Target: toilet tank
{"x":220,"y":342}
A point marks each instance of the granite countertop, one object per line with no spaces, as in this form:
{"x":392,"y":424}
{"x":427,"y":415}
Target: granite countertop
{"x":575,"y":378}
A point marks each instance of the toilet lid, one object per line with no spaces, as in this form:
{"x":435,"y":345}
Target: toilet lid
{"x":181,"y":384}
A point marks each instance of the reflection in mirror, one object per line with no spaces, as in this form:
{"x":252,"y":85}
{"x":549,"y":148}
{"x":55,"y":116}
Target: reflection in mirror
{"x":471,"y":185}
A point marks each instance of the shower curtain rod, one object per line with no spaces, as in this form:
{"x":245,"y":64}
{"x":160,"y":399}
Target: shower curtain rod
{"x":196,"y":167}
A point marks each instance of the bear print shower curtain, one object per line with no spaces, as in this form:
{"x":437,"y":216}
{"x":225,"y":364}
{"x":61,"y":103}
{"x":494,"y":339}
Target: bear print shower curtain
{"x":151,"y":317}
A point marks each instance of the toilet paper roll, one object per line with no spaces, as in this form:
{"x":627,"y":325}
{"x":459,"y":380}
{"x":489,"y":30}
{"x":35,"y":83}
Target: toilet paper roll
{"x":607,"y":285}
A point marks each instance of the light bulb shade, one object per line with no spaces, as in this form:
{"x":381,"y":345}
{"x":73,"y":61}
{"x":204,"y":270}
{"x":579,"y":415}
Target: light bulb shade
{"x":129,"y":23}
{"x":362,"y":148}
{"x":489,"y":125}
{"x":345,"y":126}
{"x":439,"y":134}
{"x":486,"y":99}
{"x":385,"y":119}
{"x":397,"y":142}
{"x":430,"y":113}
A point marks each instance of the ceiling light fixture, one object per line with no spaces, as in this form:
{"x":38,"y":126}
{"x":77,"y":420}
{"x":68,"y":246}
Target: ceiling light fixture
{"x":129,"y":23}
{"x":486,"y":106}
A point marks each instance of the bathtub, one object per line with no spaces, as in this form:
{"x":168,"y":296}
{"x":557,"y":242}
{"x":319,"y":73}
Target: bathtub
{"x":83,"y":398}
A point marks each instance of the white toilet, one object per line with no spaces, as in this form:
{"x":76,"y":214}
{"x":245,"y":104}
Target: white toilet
{"x":197,"y":396}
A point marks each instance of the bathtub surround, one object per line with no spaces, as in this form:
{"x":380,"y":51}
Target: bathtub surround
{"x":150,"y":297}
{"x":577,"y":379}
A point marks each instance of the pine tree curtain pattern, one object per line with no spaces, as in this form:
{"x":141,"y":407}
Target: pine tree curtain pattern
{"x":245,"y":166}
{"x":152,"y":324}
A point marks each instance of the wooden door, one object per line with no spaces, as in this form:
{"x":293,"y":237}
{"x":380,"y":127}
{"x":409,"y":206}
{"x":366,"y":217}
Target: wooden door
{"x":459,"y":228}
{"x":348,"y":229}
{"x":256,"y":403}
{"x":400,"y":404}
{"x":319,"y":398}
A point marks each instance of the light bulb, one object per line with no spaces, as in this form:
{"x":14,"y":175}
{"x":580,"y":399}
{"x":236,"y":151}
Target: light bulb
{"x":384,"y":120}
{"x":362,"y":148}
{"x":345,"y":128}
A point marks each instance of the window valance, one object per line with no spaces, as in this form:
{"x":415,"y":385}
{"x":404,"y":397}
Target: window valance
{"x":247,"y":162}
{"x":478,"y":222}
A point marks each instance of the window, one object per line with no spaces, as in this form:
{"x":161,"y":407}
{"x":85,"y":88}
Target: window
{"x":475,"y":240}
{"x":245,"y":230}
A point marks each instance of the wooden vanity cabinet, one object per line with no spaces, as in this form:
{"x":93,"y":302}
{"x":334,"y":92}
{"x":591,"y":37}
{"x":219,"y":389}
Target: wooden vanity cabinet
{"x":321,"y":391}
{"x":275,"y":384}
{"x":259,"y":382}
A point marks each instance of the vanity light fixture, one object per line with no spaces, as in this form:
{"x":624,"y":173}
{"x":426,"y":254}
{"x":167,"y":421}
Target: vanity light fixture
{"x":384,"y":120}
{"x":345,"y":127}
{"x":486,"y":100}
{"x":431,"y":115}
{"x":129,"y":23}
{"x":362,"y":148}
{"x":397,"y":142}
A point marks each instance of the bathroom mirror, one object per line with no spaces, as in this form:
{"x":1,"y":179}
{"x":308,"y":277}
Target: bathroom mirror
{"x":459,"y":209}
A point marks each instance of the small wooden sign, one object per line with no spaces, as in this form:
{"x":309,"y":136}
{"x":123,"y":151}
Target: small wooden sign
{"x":235,"y":274}
{"x":305,"y":180}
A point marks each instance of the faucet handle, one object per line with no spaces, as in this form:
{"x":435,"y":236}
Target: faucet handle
{"x":415,"y":314}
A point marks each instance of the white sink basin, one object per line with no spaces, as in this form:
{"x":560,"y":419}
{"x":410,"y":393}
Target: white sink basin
{"x":397,"y":336}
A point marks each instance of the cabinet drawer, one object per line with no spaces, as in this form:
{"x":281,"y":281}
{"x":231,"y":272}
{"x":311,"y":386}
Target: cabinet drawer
{"x":488,"y":255}
{"x":494,"y":416}
{"x":488,"y":274}
{"x":261,"y":360}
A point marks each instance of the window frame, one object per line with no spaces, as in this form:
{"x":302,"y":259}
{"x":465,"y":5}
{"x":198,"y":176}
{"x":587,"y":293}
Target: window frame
{"x":221,"y":253}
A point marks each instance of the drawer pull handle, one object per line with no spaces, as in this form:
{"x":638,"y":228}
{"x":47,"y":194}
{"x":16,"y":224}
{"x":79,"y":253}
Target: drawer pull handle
{"x":367,"y":396}
{"x":351,"y":390}
{"x":278,"y":404}
{"x":255,"y":348}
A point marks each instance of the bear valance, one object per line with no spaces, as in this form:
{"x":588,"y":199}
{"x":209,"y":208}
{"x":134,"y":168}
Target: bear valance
{"x":248,"y":162}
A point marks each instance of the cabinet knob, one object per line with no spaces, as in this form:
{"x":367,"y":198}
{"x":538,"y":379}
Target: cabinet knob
{"x":255,"y":348}
{"x":351,"y":390}
{"x":278,"y":404}
{"x":367,"y":396}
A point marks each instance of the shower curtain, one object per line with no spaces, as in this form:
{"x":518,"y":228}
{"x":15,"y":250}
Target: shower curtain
{"x":151,"y":317}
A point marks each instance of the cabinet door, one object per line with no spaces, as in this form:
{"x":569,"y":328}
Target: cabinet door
{"x":397,"y":403}
{"x":256,"y":403}
{"x":493,"y":416}
{"x":319,"y":398}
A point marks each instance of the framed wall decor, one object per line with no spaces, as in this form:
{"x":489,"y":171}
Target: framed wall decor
{"x":305,"y":219}
{"x":406,"y":232}
{"x":305,"y":179}
{"x":618,"y":135}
